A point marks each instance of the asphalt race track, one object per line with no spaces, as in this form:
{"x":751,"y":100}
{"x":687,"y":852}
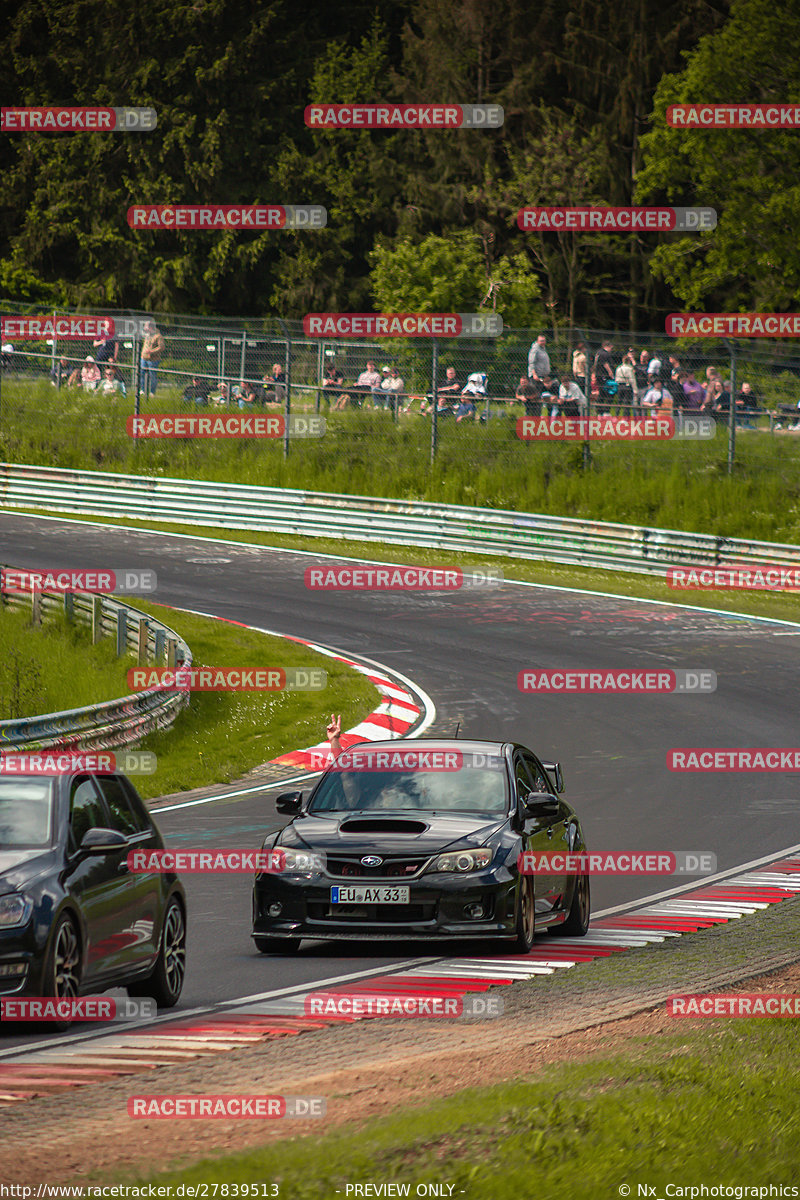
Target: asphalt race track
{"x":465,"y":649}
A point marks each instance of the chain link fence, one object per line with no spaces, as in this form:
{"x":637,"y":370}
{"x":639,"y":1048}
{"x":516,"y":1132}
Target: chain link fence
{"x":68,"y":403}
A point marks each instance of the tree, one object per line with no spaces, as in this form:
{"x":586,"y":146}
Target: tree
{"x":752,"y":178}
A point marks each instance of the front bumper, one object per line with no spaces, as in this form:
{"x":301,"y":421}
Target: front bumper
{"x":436,"y":908}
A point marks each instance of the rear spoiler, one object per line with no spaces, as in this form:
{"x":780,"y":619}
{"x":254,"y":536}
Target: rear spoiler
{"x":554,"y":769}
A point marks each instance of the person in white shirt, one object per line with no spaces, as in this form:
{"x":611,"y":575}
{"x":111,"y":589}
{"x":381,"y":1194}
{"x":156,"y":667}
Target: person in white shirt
{"x":572,"y":400}
{"x":625,"y":375}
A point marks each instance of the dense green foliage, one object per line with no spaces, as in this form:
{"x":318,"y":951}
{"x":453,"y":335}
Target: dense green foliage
{"x":230,"y":82}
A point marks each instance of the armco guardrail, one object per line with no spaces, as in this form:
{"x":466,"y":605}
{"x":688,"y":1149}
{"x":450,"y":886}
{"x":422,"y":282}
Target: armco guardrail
{"x":364,"y":518}
{"x":115,"y":723}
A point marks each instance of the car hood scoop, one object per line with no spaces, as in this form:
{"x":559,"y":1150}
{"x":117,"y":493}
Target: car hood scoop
{"x":383,"y":825}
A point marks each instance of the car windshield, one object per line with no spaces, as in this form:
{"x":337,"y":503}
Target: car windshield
{"x":26,"y":808}
{"x":469,"y":789}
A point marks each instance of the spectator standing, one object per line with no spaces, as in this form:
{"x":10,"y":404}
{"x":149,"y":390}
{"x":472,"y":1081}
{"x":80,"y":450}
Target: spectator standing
{"x":693,"y":391}
{"x":746,"y":405}
{"x":153,"y":348}
{"x":579,"y":365}
{"x":603,"y":368}
{"x":657,"y":398}
{"x":538,"y":359}
{"x":654,"y":367}
{"x":475,"y":386}
{"x":106,"y":349}
{"x":625,"y":379}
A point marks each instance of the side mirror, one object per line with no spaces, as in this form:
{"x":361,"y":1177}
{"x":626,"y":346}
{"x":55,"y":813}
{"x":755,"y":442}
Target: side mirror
{"x":102,"y":841}
{"x":289,"y":803}
{"x":554,"y":770}
{"x":542,"y":805}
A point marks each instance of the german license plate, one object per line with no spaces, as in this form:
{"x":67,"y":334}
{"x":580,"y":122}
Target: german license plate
{"x":369,"y":895}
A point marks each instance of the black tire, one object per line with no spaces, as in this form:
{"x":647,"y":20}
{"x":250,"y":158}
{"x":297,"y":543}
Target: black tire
{"x":524,"y":916}
{"x":580,"y":910}
{"x":165,"y":981}
{"x":266,"y":945}
{"x":61,"y":977}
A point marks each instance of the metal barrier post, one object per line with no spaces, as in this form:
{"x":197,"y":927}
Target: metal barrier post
{"x":69,"y":607}
{"x":141,"y":645}
{"x":732,"y":413}
{"x":122,"y":632}
{"x":97,"y":619}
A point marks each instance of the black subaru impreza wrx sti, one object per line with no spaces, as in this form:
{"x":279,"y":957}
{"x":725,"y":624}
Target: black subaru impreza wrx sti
{"x":414,"y":839}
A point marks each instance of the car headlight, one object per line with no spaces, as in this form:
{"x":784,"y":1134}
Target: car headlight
{"x":14,"y":910}
{"x":297,"y":862}
{"x":462,"y":861}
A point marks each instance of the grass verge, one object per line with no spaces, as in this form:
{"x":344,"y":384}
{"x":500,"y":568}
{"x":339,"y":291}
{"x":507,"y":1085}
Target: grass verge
{"x":221,"y":735}
{"x":714,"y":1103}
{"x":675,"y":485}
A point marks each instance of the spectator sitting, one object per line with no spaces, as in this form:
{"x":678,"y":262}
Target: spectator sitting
{"x":572,"y":400}
{"x":380,"y":394}
{"x":332,"y":381}
{"x":530,"y":394}
{"x":59,"y":373}
{"x":449,"y":390}
{"x":89,"y":375}
{"x":396,"y":389}
{"x":219,"y":395}
{"x":275,"y":385}
{"x":549,"y":394}
{"x":364,"y":385}
{"x":197,"y":391}
{"x":111,"y":384}
{"x":475,"y":386}
{"x":657,"y":398}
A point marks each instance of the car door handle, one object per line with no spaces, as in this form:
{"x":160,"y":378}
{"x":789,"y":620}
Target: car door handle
{"x":123,"y":868}
{"x":550,"y":831}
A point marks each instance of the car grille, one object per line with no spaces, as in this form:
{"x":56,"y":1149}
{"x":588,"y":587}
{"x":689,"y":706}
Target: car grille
{"x":375,"y":914}
{"x":390,"y":868}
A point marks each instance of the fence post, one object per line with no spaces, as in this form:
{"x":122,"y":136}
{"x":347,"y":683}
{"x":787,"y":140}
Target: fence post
{"x":241,"y":356}
{"x":287,"y":370}
{"x":69,"y":607}
{"x":732,"y":413}
{"x":435,"y":401}
{"x":36,"y":608}
{"x":137,"y":378}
